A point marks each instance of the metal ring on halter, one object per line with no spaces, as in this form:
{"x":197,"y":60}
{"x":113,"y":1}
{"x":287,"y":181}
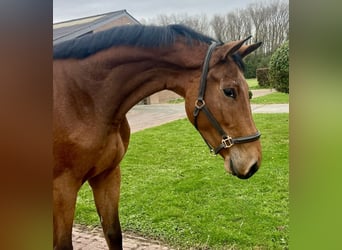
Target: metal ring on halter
{"x":201,"y":105}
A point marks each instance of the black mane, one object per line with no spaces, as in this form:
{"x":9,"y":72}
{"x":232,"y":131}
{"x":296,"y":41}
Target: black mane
{"x":132,"y":35}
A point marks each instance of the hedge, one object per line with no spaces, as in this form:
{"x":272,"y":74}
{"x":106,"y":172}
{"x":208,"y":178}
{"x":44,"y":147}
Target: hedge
{"x":279,"y":68}
{"x":262,"y":77}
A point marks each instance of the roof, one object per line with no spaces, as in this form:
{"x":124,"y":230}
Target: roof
{"x":71,"y":29}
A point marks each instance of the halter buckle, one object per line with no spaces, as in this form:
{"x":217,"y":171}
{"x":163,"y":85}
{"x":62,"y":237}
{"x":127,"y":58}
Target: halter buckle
{"x":199,"y":104}
{"x":227,"y":142}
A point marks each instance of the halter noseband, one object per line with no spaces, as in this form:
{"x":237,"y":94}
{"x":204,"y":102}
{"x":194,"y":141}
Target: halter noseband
{"x":226,"y":141}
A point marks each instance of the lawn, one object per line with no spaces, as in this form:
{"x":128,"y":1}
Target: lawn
{"x":273,"y":98}
{"x":253,"y":83}
{"x":174,"y":191}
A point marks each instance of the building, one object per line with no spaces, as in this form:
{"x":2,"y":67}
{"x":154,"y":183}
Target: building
{"x":71,"y":29}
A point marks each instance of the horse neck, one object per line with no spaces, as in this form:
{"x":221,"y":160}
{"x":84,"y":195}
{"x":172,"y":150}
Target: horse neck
{"x":122,"y":81}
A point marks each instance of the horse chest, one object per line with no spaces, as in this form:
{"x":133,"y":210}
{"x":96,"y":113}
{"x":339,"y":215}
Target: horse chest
{"x":89,"y":149}
{"x":111,"y":152}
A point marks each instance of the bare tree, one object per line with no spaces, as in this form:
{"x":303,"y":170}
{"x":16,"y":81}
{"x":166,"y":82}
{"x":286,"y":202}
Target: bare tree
{"x":239,"y":25}
{"x":197,"y":22}
{"x":275,"y":27}
{"x":267,"y":21}
{"x":219,"y":27}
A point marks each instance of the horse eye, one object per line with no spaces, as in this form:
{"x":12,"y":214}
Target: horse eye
{"x":229,"y":92}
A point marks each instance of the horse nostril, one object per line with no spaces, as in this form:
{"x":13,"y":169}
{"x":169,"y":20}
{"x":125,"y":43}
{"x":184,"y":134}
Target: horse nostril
{"x":252,"y":170}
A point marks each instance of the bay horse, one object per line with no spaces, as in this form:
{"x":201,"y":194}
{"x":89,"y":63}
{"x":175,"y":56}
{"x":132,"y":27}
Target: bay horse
{"x":99,"y":77}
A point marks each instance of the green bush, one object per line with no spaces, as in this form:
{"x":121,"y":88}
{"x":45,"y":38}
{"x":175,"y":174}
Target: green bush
{"x":251,"y":65}
{"x":279,"y":68}
{"x":262,"y":77}
{"x":253,"y":62}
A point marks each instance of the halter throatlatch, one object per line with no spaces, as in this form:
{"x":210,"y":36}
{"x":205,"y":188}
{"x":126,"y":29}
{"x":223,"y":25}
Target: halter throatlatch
{"x":200,"y":105}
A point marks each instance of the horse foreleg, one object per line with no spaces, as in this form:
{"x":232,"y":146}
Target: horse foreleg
{"x":106,"y":189}
{"x":64,"y":199}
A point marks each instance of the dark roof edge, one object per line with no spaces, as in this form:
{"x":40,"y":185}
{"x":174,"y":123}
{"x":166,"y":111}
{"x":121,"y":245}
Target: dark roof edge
{"x":131,"y":16}
{"x":112,"y":12}
{"x":92,"y":25}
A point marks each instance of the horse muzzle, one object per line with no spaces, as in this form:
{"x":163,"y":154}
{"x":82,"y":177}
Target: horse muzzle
{"x":241,"y":172}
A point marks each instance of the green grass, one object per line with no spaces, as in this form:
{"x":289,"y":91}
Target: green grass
{"x":276,"y":97}
{"x":173,"y":190}
{"x":273,"y":98}
{"x":253,"y":83}
{"x":175,"y":101}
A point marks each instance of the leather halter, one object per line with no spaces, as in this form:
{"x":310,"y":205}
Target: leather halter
{"x":227,"y":141}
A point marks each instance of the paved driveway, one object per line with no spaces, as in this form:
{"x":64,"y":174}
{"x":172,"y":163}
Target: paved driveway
{"x":146,"y":116}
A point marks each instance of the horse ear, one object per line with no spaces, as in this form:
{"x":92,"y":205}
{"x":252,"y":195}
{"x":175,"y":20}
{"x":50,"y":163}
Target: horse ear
{"x":231,"y":47}
{"x":247,"y":49}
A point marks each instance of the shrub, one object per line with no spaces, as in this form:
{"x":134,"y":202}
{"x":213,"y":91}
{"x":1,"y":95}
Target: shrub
{"x":262,"y":77}
{"x":253,"y":62}
{"x":279,"y":68}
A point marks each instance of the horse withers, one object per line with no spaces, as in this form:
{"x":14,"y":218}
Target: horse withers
{"x":98,"y":78}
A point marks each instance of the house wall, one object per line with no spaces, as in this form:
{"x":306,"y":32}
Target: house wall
{"x":163,"y":96}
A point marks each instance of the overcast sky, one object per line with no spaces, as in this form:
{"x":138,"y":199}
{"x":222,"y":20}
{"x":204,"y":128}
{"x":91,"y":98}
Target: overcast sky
{"x":71,"y":9}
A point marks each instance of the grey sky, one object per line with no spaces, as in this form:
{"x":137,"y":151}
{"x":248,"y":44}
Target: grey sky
{"x":70,"y":9}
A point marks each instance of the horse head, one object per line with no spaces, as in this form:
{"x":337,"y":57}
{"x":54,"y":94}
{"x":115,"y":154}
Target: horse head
{"x":220,"y":108}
